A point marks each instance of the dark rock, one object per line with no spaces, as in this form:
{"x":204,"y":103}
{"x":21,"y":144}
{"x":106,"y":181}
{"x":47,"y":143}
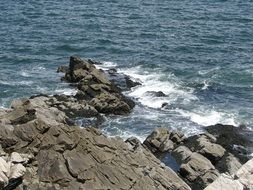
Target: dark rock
{"x":130,"y":83}
{"x":230,"y":137}
{"x":63,"y":69}
{"x":156,"y":94}
{"x":229,"y":163}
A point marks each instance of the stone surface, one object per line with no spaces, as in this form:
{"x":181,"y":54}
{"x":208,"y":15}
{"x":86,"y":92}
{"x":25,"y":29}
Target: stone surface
{"x":57,"y":155}
{"x":229,"y":163}
{"x":159,"y":141}
{"x":201,"y":159}
{"x":95,"y":87}
{"x":233,"y":139}
{"x":240,"y":180}
{"x":225,"y":182}
{"x":206,"y":145}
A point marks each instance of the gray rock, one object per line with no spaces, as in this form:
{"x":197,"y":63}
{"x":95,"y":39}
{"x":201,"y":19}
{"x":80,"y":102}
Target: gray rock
{"x":229,"y":163}
{"x":159,"y":141}
{"x":240,"y":180}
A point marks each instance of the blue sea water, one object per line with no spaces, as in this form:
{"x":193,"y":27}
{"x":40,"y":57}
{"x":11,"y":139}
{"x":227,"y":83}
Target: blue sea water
{"x":199,"y":53}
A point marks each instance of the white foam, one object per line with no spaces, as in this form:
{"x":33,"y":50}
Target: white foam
{"x":24,"y":73}
{"x":206,"y":85}
{"x":106,"y":65}
{"x":209,"y":71}
{"x":16,"y":83}
{"x":153,"y":82}
{"x":209,"y":117}
{"x":123,"y":134}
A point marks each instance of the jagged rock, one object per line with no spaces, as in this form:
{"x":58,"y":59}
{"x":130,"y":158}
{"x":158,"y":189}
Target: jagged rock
{"x":95,"y":87}
{"x":69,"y":157}
{"x":130,"y":83}
{"x":108,"y":103}
{"x":3,"y":180}
{"x":62,"y":69}
{"x":177,"y":137}
{"x":6,"y":136}
{"x":181,"y":154}
{"x":158,"y":141}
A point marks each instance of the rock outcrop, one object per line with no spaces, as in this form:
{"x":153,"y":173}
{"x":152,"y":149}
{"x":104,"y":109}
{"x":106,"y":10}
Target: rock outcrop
{"x":41,"y":148}
{"x":95,"y":87}
{"x":201,"y":158}
{"x":61,"y":156}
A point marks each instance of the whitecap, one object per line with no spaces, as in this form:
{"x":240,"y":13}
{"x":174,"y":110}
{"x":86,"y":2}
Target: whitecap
{"x":106,"y":65}
{"x":209,"y":117}
{"x":208,"y":71}
{"x":24,"y":73}
{"x":154,"y":82}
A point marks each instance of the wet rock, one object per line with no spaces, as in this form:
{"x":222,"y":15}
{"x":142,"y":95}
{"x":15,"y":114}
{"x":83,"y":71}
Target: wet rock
{"x":62,"y":69}
{"x":230,"y":137}
{"x":156,"y":94}
{"x":130,"y":83}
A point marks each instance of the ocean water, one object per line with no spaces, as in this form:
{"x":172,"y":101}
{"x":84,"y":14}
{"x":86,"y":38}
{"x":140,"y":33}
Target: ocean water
{"x":198,"y":53}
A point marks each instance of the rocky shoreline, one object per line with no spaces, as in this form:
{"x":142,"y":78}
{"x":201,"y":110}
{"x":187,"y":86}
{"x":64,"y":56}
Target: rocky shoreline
{"x":42,"y":148}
